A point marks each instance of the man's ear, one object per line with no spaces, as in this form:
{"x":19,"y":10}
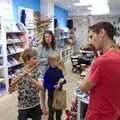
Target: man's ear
{"x":102,"y":33}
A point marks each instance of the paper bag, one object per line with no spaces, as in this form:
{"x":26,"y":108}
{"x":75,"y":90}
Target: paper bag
{"x":59,"y":99}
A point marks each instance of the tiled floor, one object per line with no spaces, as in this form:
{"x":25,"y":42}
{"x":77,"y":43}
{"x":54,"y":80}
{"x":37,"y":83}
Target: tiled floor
{"x":8,"y":103}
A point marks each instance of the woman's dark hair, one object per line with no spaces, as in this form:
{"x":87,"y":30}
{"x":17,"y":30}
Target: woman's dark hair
{"x":107,"y":26}
{"x":52,"y":42}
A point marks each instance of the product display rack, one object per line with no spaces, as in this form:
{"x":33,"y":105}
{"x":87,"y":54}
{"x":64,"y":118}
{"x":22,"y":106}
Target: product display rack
{"x":82,"y":97}
{"x":13,"y":41}
{"x":61,"y":37}
{"x":62,"y":42}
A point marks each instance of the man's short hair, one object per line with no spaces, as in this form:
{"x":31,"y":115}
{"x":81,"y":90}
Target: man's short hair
{"x":107,"y":26}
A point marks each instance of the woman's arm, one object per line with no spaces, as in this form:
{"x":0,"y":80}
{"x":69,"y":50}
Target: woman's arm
{"x":42,"y":101}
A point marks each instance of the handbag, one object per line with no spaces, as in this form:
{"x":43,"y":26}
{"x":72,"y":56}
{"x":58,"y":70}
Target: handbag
{"x":59,"y":99}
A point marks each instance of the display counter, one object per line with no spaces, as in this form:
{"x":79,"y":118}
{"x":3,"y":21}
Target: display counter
{"x":83,"y":100}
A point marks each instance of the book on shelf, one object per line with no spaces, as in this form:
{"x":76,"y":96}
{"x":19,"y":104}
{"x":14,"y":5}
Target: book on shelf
{"x":14,"y":72}
{"x":12,"y":49}
{"x":11,"y":28}
{"x":0,"y":49}
{"x":13,"y":37}
{"x":14,"y":60}
{"x":1,"y":61}
{"x":19,"y":27}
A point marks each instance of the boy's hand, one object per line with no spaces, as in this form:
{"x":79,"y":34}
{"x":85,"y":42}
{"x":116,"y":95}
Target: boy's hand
{"x":61,"y":81}
{"x":57,"y":86}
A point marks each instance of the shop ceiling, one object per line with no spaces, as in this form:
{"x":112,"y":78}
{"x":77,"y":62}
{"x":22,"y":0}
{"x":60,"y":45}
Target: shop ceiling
{"x":87,"y":7}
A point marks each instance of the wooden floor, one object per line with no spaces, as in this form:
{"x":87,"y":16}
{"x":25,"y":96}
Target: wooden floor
{"x":8,"y":102}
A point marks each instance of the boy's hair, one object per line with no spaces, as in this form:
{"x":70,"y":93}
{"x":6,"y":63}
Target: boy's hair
{"x":107,"y":26}
{"x":28,"y":53}
{"x":53,"y":57}
{"x":56,"y":57}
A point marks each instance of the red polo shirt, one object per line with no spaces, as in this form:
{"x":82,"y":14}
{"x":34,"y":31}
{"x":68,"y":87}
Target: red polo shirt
{"x":105,"y":95}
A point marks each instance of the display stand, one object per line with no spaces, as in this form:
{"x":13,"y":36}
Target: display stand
{"x":13,"y":41}
{"x":83,"y":100}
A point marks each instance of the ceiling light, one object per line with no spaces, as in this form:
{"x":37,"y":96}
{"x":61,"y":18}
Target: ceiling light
{"x":76,"y":4}
{"x":82,"y":3}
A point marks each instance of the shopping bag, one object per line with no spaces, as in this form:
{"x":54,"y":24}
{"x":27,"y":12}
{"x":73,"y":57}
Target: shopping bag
{"x":59,"y":99}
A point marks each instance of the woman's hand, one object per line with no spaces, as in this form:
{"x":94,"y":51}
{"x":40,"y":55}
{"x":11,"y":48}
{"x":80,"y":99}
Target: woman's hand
{"x":44,"y":110}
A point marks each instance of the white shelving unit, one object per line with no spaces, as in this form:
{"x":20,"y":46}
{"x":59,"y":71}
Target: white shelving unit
{"x":3,"y":57}
{"x":13,"y":41}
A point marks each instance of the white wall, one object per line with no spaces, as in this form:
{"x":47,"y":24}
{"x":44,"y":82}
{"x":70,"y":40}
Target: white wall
{"x":109,"y":19}
{"x":81,"y":33}
{"x":82,"y":23}
{"x":96,"y":19}
{"x":47,"y":10}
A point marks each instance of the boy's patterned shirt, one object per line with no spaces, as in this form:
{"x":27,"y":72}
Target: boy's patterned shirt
{"x":28,"y":94}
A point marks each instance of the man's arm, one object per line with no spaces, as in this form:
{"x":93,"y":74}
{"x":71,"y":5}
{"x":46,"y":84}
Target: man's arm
{"x":86,"y":84}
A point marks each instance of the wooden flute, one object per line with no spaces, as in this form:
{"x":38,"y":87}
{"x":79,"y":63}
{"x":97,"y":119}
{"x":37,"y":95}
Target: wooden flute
{"x":16,"y":80}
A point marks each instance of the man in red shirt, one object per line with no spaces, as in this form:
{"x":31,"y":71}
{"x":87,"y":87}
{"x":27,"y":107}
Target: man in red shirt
{"x":103,"y":81}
